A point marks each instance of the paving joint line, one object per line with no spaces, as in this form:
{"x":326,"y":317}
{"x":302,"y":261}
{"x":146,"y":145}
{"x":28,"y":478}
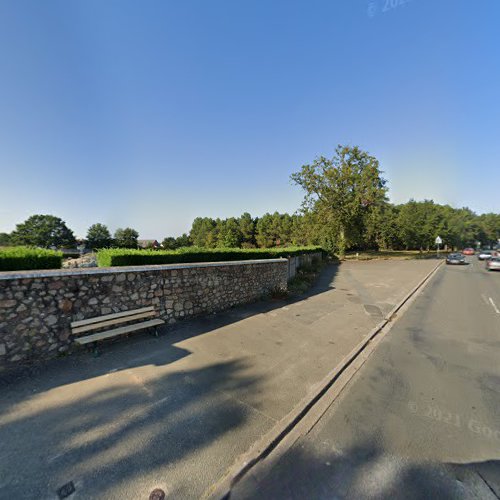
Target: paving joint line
{"x":488,"y":485}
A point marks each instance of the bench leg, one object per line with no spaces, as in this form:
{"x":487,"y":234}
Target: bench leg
{"x":95,"y":349}
{"x":153,"y":331}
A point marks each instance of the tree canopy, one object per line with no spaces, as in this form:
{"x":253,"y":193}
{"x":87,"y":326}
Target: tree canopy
{"x":43,"y":231}
{"x":5,"y":239}
{"x":171,"y":243}
{"x":340,"y":192}
{"x":98,"y":236}
{"x":126,"y":238}
{"x":345,"y":207}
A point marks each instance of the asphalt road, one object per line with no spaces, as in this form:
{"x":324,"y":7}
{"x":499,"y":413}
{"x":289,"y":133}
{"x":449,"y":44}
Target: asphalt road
{"x":420,"y":419}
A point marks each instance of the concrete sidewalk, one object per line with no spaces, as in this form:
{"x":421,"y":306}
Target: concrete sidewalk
{"x":175,"y":412}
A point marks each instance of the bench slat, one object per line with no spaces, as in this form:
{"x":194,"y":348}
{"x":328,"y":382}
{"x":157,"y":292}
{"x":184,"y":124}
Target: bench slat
{"x":118,"y":331}
{"x":111,"y":322}
{"x":98,"y":319}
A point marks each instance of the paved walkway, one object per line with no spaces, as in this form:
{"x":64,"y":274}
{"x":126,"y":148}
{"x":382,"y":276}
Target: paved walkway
{"x":175,"y":412}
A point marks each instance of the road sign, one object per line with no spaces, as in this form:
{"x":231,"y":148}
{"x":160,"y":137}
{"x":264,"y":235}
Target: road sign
{"x":438,"y":241}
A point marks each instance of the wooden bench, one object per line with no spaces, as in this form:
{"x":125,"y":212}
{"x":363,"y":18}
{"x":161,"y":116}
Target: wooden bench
{"x":100,"y":322}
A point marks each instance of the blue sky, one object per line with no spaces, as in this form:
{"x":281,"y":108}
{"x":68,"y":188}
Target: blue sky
{"x":148,"y":114}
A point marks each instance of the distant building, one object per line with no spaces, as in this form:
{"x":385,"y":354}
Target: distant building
{"x":148,"y":244}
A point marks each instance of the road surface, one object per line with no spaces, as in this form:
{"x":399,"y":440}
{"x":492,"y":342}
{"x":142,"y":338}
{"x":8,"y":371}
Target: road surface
{"x":420,"y":419}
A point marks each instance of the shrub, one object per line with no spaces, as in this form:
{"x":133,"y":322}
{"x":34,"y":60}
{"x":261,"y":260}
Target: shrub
{"x":25,"y":258}
{"x":127,"y":257}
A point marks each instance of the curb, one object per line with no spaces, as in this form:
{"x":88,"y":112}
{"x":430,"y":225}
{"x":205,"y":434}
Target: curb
{"x":267,"y":443}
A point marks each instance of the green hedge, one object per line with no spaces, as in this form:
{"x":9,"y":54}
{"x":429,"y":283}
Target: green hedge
{"x":24,"y":258}
{"x":125,"y":257}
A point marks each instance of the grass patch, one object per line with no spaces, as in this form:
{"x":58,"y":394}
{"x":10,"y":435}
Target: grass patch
{"x":390,"y":254}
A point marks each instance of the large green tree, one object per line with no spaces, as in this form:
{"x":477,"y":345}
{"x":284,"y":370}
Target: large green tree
{"x":171,"y":243}
{"x":381,"y":228}
{"x":43,"y":231}
{"x":489,"y":228}
{"x":126,"y":238}
{"x":420,"y":222}
{"x":229,"y":233}
{"x":340,"y":191}
{"x":203,"y":232}
{"x":98,"y":236}
{"x":458,"y":228}
{"x":183,"y":241}
{"x":247,"y":230}
{"x":265,"y":231}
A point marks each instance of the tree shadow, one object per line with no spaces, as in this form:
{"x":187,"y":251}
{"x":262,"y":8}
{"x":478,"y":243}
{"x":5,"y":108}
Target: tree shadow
{"x":365,"y":472}
{"x":114,"y":435}
{"x":120,"y":426}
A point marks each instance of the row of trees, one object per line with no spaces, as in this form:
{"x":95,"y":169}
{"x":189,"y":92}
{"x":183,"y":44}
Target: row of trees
{"x":345,"y":207}
{"x":268,"y":231}
{"x":98,"y":236}
{"x":410,"y":226}
{"x":413,"y":225}
{"x":48,"y":231}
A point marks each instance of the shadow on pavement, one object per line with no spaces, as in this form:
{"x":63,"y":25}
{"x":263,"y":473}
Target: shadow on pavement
{"x":363,"y":472}
{"x":116,"y":426}
{"x":110,"y":435}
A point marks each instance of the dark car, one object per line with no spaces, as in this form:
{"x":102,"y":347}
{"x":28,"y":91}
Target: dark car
{"x":455,"y":258}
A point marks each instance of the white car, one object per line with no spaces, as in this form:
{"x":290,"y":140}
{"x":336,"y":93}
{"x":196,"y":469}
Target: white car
{"x":486,"y":254}
{"x":493,"y":264}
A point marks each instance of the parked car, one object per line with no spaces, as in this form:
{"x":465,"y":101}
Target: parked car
{"x":468,"y":251}
{"x":485,"y":254}
{"x":493,"y":264}
{"x":455,"y":258}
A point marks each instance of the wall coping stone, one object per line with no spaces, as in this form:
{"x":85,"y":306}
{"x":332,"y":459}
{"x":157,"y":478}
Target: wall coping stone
{"x":85,"y":271}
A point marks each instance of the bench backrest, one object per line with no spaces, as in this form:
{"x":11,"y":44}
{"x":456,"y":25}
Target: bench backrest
{"x":87,"y":325}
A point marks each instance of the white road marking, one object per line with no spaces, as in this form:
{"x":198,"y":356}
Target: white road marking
{"x":483,"y":296}
{"x":494,"y":306}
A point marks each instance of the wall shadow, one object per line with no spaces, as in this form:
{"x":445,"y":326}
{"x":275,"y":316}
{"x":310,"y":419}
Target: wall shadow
{"x":122,"y":353}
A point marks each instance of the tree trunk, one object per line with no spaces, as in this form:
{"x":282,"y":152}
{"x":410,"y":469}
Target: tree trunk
{"x":342,"y":243}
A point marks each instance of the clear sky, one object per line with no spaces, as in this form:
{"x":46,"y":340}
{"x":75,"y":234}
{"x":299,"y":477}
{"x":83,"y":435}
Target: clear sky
{"x":150,"y":113}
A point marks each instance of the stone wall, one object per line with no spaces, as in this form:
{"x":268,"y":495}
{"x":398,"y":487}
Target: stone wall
{"x":37,"y":307}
